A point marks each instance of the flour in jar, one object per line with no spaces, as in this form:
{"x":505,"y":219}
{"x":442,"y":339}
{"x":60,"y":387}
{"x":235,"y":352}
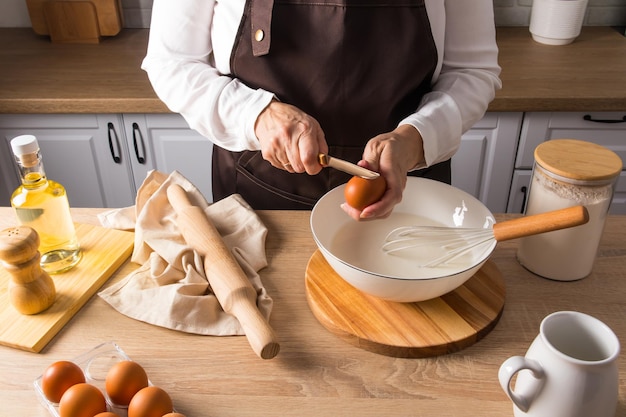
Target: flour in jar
{"x":567,"y":254}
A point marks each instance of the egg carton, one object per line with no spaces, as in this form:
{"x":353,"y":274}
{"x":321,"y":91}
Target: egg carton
{"x":95,"y":365}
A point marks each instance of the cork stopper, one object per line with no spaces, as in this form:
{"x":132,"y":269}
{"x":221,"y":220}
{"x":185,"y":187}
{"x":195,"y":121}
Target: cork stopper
{"x":578,"y":160}
{"x":26,"y":149}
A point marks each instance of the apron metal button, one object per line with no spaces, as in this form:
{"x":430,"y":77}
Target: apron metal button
{"x":259,"y":35}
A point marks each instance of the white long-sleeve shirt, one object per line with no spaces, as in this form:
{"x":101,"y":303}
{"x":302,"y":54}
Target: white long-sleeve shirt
{"x":188,"y":64}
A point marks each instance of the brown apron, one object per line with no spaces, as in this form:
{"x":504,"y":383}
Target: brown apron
{"x":357,"y":67}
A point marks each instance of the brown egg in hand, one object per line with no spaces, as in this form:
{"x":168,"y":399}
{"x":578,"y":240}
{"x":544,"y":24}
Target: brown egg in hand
{"x":361,"y":192}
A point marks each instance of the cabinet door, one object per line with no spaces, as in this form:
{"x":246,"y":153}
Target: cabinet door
{"x":86,"y":153}
{"x":8,"y":175}
{"x":5,"y":194}
{"x":166,"y":143}
{"x":483,"y":165}
{"x":519,"y":191}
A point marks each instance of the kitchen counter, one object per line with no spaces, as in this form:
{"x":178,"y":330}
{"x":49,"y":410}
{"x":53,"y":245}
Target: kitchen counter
{"x":316,"y":373}
{"x":37,"y":76}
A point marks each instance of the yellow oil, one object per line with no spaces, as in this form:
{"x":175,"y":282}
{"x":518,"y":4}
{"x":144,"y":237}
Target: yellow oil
{"x":43,"y":205}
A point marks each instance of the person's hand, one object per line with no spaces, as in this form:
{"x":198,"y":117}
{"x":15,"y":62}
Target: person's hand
{"x":391,"y":154}
{"x":290,"y":139}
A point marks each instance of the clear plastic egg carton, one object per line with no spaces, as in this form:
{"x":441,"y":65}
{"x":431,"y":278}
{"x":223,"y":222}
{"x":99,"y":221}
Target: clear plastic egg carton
{"x":95,"y":365}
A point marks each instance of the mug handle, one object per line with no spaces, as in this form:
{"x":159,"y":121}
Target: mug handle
{"x":507,"y":371}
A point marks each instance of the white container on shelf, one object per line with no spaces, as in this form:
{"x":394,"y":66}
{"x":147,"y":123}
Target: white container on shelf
{"x":557,"y":22}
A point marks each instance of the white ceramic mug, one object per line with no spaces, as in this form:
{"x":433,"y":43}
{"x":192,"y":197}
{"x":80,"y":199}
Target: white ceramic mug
{"x":569,"y":370}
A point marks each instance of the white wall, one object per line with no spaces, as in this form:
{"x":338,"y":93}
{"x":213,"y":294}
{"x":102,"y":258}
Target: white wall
{"x":14,"y":14}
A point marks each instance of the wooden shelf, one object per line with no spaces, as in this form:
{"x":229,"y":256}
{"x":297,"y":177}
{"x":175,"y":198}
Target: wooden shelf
{"x":42,"y":77}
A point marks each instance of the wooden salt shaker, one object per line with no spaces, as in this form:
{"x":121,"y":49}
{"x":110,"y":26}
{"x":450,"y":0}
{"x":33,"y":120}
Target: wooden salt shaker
{"x":31,"y":290}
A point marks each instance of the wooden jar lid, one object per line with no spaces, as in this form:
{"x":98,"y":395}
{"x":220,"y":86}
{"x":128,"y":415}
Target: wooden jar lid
{"x":578,"y":160}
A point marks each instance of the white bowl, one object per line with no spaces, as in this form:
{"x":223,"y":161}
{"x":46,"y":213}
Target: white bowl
{"x":354,"y":249}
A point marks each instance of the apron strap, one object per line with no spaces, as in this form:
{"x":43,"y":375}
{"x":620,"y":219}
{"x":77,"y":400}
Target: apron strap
{"x":261,"y":19}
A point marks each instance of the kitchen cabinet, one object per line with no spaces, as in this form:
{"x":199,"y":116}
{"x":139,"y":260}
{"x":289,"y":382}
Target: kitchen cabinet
{"x":110,"y":155}
{"x":166,"y":143}
{"x":483,"y":165}
{"x":7,"y":177}
{"x":102,"y":159}
{"x":84,"y":152}
{"x":604,"y":128}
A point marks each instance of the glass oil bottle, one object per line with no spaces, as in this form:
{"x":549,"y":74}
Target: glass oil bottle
{"x":43,"y":205}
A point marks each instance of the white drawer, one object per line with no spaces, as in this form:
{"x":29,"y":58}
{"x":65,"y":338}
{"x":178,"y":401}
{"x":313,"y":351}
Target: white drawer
{"x":607,"y":129}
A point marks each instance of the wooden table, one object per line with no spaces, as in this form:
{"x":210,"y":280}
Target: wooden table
{"x":316,"y":373}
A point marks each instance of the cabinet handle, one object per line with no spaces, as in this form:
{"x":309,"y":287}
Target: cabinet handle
{"x":590,"y":118}
{"x":113,"y":136}
{"x":138,"y":140}
{"x":524,"y":191}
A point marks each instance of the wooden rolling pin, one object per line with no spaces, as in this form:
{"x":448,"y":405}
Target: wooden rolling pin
{"x":229,"y":282}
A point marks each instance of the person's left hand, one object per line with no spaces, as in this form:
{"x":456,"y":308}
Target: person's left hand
{"x":391,"y":154}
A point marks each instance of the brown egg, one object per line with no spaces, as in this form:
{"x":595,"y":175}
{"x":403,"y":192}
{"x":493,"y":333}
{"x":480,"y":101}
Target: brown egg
{"x":58,"y":377}
{"x":107,"y":414}
{"x":174,"y":415}
{"x":124,"y":380}
{"x":360,"y":192}
{"x":82,"y":400}
{"x":150,"y":402}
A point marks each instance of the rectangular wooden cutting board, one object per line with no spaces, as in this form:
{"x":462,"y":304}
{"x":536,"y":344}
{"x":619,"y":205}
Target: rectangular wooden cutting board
{"x":108,"y":14}
{"x":72,"y":21}
{"x":104,"y":251}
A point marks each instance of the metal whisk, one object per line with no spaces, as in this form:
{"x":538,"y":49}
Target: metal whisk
{"x":456,"y":242}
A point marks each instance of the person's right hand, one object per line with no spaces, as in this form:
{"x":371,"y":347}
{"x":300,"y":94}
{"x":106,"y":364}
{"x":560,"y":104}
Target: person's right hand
{"x":290,"y":139}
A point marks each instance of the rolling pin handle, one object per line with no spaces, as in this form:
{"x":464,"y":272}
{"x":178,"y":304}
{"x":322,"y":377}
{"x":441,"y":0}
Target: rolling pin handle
{"x":258,"y":332}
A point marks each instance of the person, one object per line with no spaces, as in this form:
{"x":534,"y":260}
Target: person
{"x":388,"y":84}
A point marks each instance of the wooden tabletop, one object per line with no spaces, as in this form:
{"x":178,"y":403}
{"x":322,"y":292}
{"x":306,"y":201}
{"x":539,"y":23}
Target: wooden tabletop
{"x":586,"y":75}
{"x":37,"y":76}
{"x":316,"y":373}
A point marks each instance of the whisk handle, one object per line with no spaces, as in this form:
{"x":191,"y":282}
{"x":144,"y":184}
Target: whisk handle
{"x":540,"y":223}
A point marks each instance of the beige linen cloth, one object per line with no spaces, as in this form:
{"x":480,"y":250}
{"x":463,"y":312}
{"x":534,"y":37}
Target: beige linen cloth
{"x":170,"y":288}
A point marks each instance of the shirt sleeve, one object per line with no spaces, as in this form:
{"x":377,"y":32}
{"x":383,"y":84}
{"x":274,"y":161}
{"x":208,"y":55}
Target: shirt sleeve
{"x":468,"y":78}
{"x":180,"y":64}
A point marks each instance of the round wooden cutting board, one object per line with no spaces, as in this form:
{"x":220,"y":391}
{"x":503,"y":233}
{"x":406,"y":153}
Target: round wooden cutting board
{"x":434,"y":327}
